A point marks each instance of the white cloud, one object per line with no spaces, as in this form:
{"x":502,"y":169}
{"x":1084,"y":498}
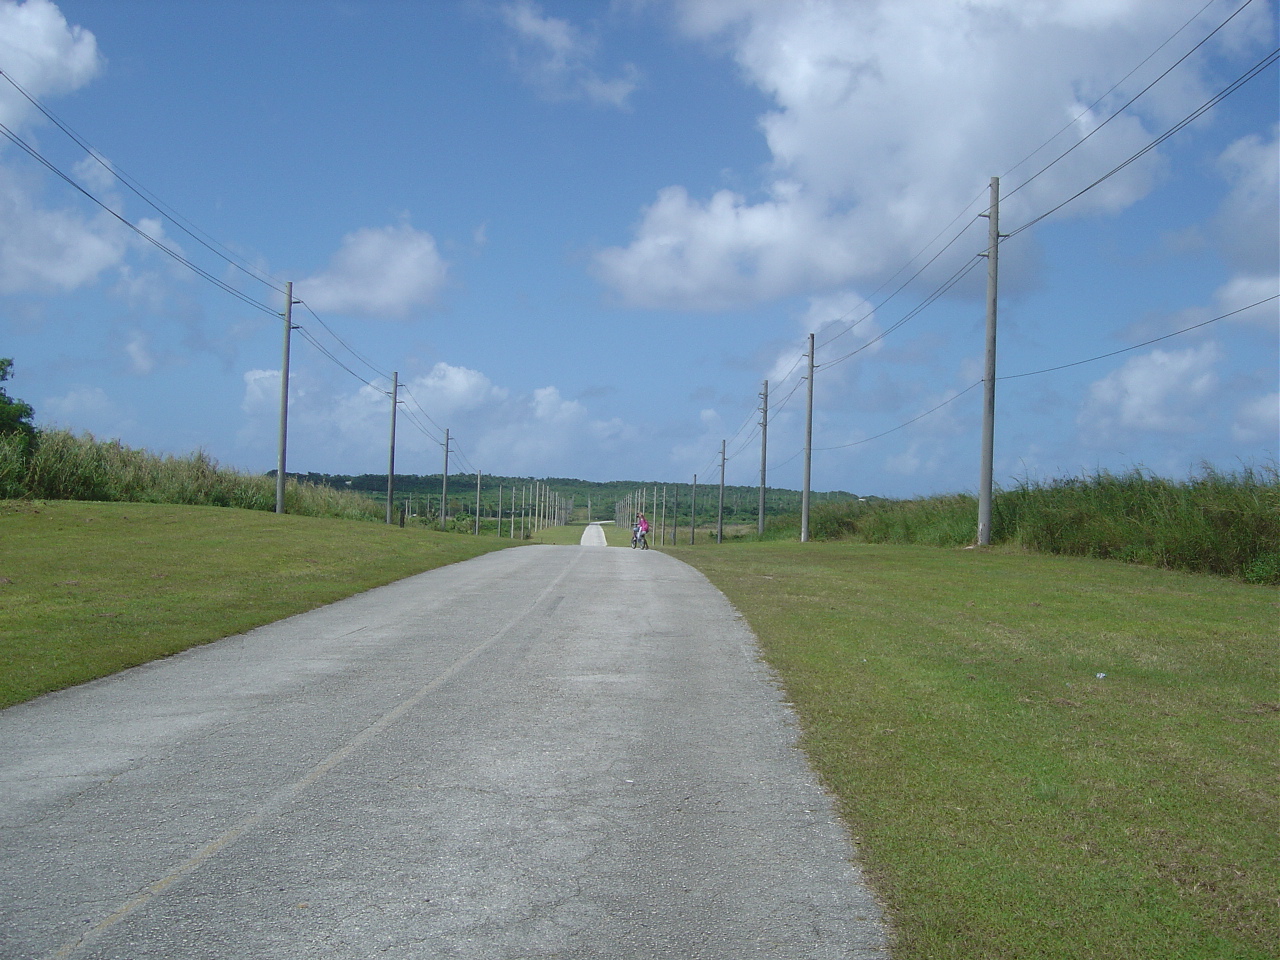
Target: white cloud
{"x":1242,"y":291}
{"x":1250,"y":212}
{"x":890,"y":117}
{"x":1161,"y":391}
{"x":493,"y":428}
{"x":44,"y":250}
{"x":44,"y":54}
{"x":138,"y":351}
{"x":1258,"y":420}
{"x":1246,"y":226}
{"x":88,"y":409}
{"x":378,"y":272}
{"x":556,"y":58}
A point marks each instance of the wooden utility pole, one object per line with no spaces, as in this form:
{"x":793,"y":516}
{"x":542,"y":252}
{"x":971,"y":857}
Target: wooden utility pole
{"x":391,"y":459}
{"x":989,"y":374}
{"x":477,"y":503}
{"x":284,"y":396}
{"x":808,"y":453}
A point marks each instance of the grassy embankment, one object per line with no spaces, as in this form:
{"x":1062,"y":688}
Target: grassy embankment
{"x":87,"y":589}
{"x":1040,"y":756}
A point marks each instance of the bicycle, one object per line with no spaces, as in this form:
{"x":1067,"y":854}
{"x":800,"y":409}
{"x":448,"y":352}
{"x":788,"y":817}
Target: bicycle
{"x":640,"y":540}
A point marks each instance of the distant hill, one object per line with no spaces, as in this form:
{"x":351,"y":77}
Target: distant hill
{"x":740,"y":502}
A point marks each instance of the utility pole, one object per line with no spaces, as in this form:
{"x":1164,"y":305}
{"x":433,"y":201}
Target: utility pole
{"x":477,"y":503}
{"x":764,"y":451}
{"x":808,"y":453}
{"x":284,"y":396}
{"x":693,"y":508}
{"x":675,"y":514}
{"x":989,"y":374}
{"x":444,"y":486}
{"x":720,"y":507}
{"x":391,"y":460}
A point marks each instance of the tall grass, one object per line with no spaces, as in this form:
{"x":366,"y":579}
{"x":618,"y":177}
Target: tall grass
{"x":69,"y":467}
{"x":1214,"y":522}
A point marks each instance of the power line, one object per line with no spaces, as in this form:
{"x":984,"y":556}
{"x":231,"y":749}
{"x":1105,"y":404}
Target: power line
{"x":1209,"y":104}
{"x":310,"y":338}
{"x":933,"y":297}
{"x":906,"y":283}
{"x":1139,"y":346}
{"x":1071,"y":123}
{"x":199,"y":271}
{"x":908,"y":423}
{"x":1132,"y":100}
{"x":182,"y":223}
{"x":405,"y":390}
{"x":346,"y":346}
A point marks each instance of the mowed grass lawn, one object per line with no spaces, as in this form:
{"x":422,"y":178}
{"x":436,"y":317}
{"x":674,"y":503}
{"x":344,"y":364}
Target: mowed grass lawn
{"x":1039,"y":756}
{"x":87,"y":589}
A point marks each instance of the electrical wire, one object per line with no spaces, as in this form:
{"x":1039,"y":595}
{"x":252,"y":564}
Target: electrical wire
{"x":1071,"y":123}
{"x":1138,"y":346}
{"x":405,"y":390}
{"x":346,"y":346}
{"x":199,"y":271}
{"x":1209,"y":104}
{"x":308,"y":336}
{"x":182,"y":223}
{"x":856,"y":443}
{"x":1133,"y":99}
{"x":928,"y":301}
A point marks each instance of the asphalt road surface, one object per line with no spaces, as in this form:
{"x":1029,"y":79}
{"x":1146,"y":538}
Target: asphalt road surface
{"x":544,"y":752}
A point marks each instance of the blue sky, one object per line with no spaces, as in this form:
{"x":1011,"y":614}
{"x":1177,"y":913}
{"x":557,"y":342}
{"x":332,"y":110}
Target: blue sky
{"x":584,"y":233}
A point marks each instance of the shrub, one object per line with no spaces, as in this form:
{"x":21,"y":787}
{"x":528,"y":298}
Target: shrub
{"x":1215,"y":522}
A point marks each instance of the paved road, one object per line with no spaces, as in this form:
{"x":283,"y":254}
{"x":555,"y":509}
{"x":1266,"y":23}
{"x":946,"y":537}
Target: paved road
{"x":544,"y":752}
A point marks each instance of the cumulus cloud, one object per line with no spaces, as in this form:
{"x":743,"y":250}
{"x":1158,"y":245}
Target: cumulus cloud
{"x":1246,"y":226}
{"x":889,"y":119}
{"x":557,"y":58}
{"x":45,"y":250}
{"x":1258,"y":420}
{"x":90,"y":409}
{"x":1161,"y":391}
{"x":1247,"y":220}
{"x":42,"y":53}
{"x":42,"y":249}
{"x":379,"y":272}
{"x":536,"y":433}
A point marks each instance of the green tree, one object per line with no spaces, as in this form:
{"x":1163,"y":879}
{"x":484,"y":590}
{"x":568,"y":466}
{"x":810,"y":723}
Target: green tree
{"x":15,"y":415}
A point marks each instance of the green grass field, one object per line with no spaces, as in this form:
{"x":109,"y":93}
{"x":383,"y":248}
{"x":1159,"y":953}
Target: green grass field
{"x":1040,"y":757}
{"x":87,"y":589}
